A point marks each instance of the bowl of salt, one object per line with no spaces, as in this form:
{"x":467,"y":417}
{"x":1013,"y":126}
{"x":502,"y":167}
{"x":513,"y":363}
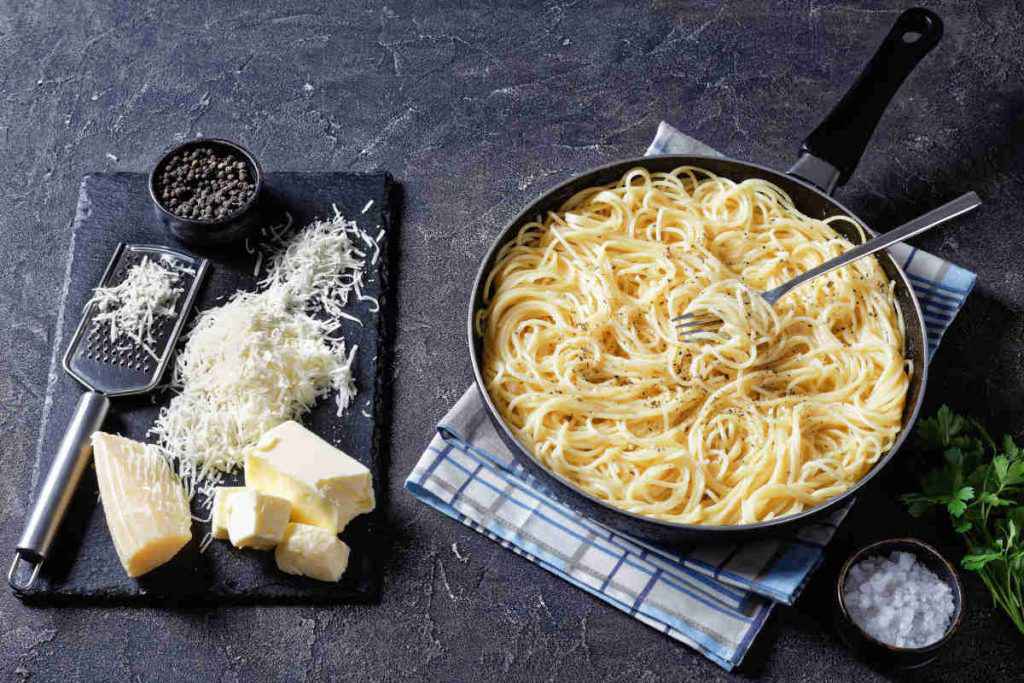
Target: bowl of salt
{"x":899,"y":603}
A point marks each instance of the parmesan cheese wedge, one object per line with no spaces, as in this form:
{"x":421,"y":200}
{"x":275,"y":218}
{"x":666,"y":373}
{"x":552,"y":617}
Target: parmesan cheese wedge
{"x":222,"y":496}
{"x":326,"y":487}
{"x":144,"y":503}
{"x":312,"y":551}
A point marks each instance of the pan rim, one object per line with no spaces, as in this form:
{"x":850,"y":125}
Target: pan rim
{"x":722,"y":530}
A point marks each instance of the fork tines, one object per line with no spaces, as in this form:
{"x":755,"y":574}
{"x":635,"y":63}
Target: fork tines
{"x":690,"y":327}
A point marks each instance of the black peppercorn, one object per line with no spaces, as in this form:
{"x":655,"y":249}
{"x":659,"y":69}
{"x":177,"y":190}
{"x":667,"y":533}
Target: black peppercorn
{"x":205,"y":183}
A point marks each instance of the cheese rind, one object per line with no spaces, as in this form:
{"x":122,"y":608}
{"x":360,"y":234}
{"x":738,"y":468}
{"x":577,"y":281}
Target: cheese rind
{"x":144,"y":503}
{"x":222,"y":496}
{"x":312,"y":551}
{"x":326,"y":487}
{"x":257,"y":520}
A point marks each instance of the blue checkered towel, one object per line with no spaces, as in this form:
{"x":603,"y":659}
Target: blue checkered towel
{"x":714,"y":599}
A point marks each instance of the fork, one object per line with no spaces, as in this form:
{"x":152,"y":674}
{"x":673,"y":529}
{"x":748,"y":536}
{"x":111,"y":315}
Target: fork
{"x":691,"y":327}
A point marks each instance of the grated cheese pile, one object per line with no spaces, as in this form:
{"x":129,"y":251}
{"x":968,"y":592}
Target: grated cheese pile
{"x":264,"y":357}
{"x":130,"y":308}
{"x":318,"y":267}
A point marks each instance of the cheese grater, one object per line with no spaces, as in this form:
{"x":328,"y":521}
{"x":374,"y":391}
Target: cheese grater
{"x":107,"y":369}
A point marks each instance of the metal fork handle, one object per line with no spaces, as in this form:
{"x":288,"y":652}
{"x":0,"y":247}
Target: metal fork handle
{"x":957,"y":207}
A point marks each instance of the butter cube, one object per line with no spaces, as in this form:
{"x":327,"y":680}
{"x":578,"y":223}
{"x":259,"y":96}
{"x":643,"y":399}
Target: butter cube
{"x":222,"y":496}
{"x":326,"y":487}
{"x":144,"y":503}
{"x":312,"y":551}
{"x":257,"y":520}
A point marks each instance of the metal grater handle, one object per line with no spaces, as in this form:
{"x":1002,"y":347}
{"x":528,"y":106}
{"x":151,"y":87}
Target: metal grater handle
{"x":59,"y":487}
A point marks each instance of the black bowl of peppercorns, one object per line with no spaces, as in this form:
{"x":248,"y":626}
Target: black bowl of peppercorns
{"x":206,"y":191}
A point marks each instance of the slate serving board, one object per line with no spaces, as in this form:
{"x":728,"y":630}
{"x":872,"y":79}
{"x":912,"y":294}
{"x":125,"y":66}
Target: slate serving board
{"x":83,"y":567}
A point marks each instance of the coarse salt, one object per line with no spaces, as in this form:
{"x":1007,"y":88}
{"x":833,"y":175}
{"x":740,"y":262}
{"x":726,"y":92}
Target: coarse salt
{"x":898,"y":600}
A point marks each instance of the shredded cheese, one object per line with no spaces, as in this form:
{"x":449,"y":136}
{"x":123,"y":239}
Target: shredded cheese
{"x":149,"y":291}
{"x":264,"y":357}
{"x":319,"y":266}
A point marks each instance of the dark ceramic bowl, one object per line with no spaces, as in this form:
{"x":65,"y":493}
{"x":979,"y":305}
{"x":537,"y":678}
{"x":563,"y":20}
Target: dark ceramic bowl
{"x":881,"y":654}
{"x":214,"y":232}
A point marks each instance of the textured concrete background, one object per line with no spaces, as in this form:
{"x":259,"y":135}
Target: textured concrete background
{"x":475,"y":109}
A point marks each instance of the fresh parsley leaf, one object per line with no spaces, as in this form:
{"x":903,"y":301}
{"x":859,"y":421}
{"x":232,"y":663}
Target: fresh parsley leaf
{"x":1015,"y":473}
{"x":977,"y":561}
{"x":956,"y":507}
{"x":1001,"y":467}
{"x":1010,"y":448}
{"x":979,"y":483}
{"x":939,"y":432}
{"x":990,"y":498}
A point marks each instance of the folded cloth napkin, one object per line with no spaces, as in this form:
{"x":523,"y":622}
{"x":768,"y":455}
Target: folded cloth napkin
{"x":715,"y":599}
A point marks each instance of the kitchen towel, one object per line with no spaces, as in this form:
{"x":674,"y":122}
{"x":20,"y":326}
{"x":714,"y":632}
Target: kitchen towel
{"x":715,"y":599}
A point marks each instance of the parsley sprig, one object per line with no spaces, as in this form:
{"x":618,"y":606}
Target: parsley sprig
{"x":980,"y":485}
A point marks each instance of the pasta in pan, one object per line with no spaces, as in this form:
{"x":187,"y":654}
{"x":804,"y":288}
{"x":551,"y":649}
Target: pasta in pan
{"x":788,"y":408}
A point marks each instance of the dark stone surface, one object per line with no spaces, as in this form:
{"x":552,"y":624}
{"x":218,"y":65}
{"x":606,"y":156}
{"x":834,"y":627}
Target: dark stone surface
{"x":83,"y":566}
{"x":476,"y":108}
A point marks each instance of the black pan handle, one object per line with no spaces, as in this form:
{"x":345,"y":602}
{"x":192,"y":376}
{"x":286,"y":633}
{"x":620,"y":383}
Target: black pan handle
{"x":831,"y":152}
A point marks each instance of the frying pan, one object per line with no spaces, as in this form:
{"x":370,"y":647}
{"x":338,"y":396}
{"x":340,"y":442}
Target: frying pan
{"x":827,"y":159}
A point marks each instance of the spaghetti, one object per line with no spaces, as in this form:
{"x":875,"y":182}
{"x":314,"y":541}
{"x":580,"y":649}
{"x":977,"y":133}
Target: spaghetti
{"x":790,"y":407}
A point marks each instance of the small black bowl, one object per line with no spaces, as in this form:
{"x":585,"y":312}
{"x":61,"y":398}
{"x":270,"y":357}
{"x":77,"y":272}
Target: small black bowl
{"x":214,"y":232}
{"x":881,"y":654}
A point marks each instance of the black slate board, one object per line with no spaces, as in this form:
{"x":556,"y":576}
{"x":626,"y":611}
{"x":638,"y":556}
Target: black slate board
{"x":83,"y":567}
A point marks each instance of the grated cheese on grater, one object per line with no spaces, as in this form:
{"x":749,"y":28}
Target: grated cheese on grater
{"x":130,"y":308}
{"x":264,"y":357}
